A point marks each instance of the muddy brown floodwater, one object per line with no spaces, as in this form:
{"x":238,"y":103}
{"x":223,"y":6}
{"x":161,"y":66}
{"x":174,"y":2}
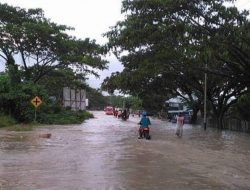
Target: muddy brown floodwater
{"x":104,"y":153}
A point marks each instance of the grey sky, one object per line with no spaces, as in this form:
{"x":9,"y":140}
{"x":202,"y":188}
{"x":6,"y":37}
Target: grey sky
{"x":90,"y":18}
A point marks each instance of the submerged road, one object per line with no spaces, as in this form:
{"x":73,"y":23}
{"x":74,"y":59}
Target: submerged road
{"x":104,"y":153}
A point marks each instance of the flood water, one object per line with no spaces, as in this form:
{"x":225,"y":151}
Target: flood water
{"x":104,"y":153}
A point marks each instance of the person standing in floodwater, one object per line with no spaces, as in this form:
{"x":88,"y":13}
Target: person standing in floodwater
{"x":179,"y":123}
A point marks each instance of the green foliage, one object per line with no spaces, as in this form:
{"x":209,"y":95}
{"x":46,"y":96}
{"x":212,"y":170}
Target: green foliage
{"x":168,"y":44}
{"x":66,"y":117}
{"x":6,"y":121}
{"x":115,"y":101}
{"x":60,"y":118}
{"x":48,"y":60}
{"x":43,"y":45}
{"x":22,"y":127}
{"x":243,"y":106}
{"x":56,"y":80}
{"x":4,"y":90}
{"x":20,"y":100}
{"x":16,"y":100}
{"x":96,"y":100}
{"x":132,"y":102}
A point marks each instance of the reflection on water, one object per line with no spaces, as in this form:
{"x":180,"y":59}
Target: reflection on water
{"x":104,"y":153}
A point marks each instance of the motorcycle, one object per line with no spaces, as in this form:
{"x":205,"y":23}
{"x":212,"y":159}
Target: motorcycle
{"x":145,"y":133}
{"x":125,"y":116}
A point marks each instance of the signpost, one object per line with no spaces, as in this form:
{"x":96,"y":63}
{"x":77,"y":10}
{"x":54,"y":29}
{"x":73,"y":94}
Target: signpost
{"x":36,"y":101}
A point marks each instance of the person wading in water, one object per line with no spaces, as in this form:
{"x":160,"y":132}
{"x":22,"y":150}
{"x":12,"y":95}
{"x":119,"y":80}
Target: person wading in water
{"x":179,"y":123}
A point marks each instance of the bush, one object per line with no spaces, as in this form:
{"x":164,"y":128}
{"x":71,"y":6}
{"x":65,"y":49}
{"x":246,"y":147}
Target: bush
{"x":21,"y":127}
{"x":15,"y":100}
{"x":65,"y":117}
{"x":6,"y":121}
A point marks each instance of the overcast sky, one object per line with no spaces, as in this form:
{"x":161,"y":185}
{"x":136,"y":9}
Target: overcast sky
{"x":90,"y":18}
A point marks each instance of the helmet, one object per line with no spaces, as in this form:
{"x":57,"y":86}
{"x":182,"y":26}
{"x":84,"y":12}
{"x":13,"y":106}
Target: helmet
{"x":144,"y":113}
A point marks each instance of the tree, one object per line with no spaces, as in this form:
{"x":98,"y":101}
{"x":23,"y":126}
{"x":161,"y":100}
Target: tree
{"x":133,"y":103}
{"x":16,"y":100}
{"x":38,"y":54}
{"x":43,"y":45}
{"x":96,"y":100}
{"x":242,"y":107}
{"x":168,"y":44}
{"x":61,"y":77}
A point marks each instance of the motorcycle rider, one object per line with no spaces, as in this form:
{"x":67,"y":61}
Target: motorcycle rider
{"x":124,"y":114}
{"x":144,"y":123}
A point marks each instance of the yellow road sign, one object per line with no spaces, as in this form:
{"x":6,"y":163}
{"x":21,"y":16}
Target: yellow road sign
{"x":36,"y":101}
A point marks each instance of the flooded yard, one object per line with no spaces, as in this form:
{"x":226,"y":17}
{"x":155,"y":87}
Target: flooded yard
{"x":104,"y":153}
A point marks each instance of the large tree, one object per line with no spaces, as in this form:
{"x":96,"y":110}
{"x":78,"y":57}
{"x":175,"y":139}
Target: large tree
{"x":40,"y":58}
{"x":30,"y":40}
{"x":167,"y":45}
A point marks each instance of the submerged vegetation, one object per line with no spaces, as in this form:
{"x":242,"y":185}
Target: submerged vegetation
{"x":63,"y":117}
{"x":68,"y":117}
{"x":6,"y":121}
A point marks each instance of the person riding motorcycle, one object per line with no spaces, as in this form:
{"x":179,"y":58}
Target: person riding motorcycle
{"x":144,"y":126}
{"x":125,"y":114}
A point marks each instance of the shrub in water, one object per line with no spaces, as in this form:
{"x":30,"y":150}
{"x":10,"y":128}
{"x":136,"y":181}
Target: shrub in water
{"x":6,"y":121}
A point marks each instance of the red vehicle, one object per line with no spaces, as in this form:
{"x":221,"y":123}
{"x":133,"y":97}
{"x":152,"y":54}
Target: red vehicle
{"x":109,"y":110}
{"x":144,"y":133}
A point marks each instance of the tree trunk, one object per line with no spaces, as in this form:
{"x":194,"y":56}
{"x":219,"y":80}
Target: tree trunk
{"x":220,"y":122}
{"x":194,"y":116}
{"x":13,"y":71}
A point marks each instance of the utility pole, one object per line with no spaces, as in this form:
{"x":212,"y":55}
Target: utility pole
{"x":205,"y":98}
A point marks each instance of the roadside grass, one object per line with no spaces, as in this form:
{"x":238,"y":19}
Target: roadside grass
{"x":64,"y":117}
{"x":6,"y":121}
{"x":22,"y":127}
